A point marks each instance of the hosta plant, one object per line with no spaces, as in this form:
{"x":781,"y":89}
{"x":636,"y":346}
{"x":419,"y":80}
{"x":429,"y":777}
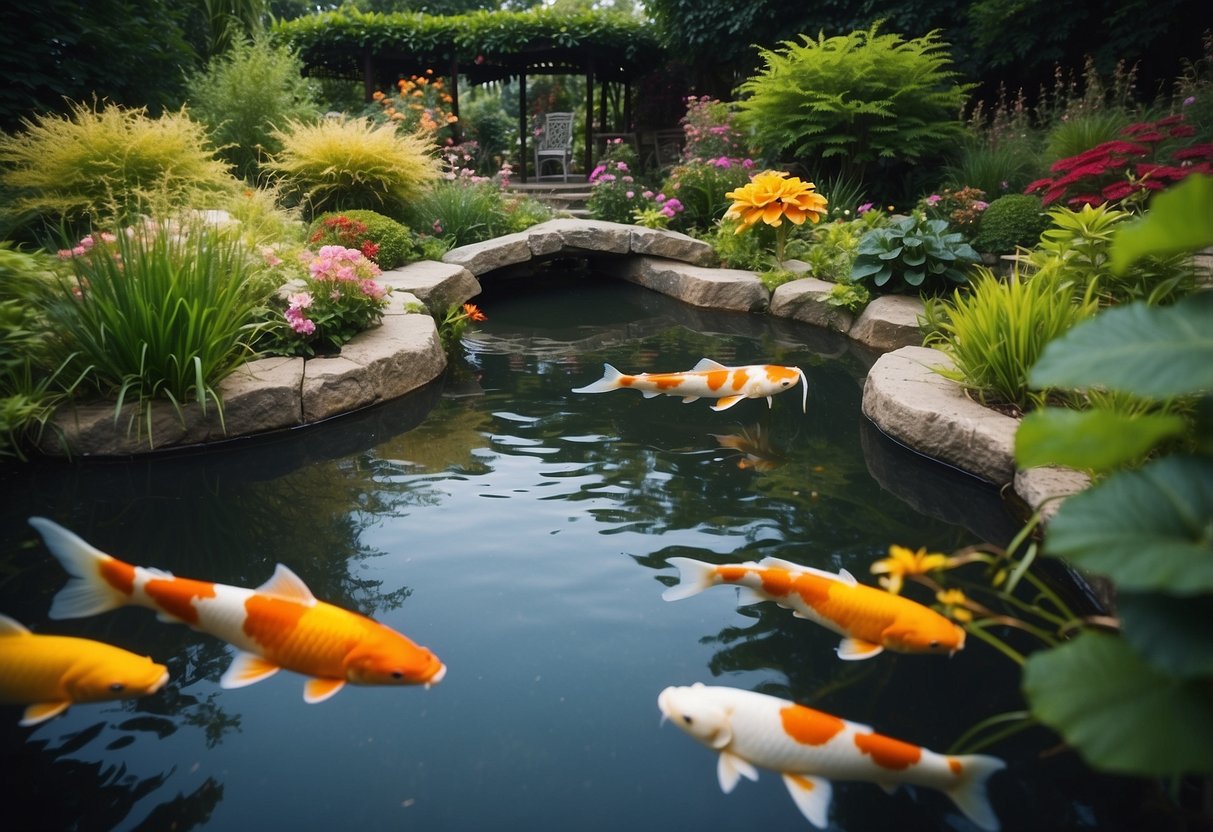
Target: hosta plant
{"x":913,"y":254}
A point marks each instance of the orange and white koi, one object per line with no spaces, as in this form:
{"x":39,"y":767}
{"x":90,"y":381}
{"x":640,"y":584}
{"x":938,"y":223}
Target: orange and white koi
{"x":280,"y":624}
{"x":707,"y":380}
{"x":811,"y":748}
{"x":51,"y":673}
{"x":870,"y":620}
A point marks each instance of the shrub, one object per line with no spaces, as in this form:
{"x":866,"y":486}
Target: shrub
{"x":379,"y":238}
{"x":995,"y":332}
{"x":342,"y":164}
{"x":914,"y":254}
{"x":495,"y":133}
{"x":159,"y":310}
{"x":1012,"y":221}
{"x":961,"y":208}
{"x":615,"y":195}
{"x":700,"y":188}
{"x":93,"y":166}
{"x":338,"y":299}
{"x":1000,"y":168}
{"x":858,"y":98}
{"x":1151,"y":156}
{"x":243,"y":93}
{"x":711,"y":131}
{"x":1083,"y":132}
{"x":421,"y":104}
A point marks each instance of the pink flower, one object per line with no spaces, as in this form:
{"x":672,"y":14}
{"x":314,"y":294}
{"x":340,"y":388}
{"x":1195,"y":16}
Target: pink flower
{"x":932,"y":199}
{"x":863,"y":209}
{"x":631,"y":194}
{"x":300,"y":300}
{"x":372,"y":289}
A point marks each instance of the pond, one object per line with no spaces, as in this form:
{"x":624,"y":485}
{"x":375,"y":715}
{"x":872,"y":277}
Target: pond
{"x":523,"y":533}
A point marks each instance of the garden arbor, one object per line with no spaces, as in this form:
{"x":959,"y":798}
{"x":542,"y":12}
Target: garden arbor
{"x":484,"y":47}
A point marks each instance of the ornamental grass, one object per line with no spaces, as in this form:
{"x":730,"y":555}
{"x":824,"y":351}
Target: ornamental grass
{"x":93,"y":166}
{"x":341,"y":164}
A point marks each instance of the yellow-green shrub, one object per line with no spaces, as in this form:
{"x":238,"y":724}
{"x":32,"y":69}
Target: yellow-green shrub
{"x":90,"y":166}
{"x":340,"y":164}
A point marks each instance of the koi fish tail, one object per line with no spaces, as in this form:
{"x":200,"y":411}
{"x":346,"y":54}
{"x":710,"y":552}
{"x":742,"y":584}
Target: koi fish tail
{"x":969,"y":793}
{"x":609,"y":381}
{"x":695,"y":576}
{"x":86,"y":592}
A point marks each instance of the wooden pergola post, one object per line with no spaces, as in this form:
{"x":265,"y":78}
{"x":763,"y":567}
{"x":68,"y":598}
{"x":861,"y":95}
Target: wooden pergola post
{"x":589,"y":115}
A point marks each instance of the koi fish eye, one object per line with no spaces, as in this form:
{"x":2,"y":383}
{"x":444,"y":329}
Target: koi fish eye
{"x":935,"y":645}
{"x":396,"y":674}
{"x":117,"y":687}
{"x":687,"y":720}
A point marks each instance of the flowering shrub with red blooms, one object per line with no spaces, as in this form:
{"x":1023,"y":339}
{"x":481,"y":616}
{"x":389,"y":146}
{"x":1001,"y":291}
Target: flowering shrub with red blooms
{"x":1151,"y":157}
{"x":345,"y":232}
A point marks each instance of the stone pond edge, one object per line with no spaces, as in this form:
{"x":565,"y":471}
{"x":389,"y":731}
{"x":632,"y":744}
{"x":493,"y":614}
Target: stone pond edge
{"x":903,"y":394}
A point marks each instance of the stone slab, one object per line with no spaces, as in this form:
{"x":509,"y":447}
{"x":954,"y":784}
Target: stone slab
{"x":438,"y":285}
{"x":912,"y":403}
{"x":729,"y":289}
{"x":805,"y":300}
{"x":483,"y":257}
{"x":660,"y":242}
{"x":889,"y":322}
{"x":1045,"y":488}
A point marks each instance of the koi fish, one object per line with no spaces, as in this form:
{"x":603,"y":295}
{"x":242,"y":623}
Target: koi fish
{"x":810,"y":748}
{"x":707,"y":380}
{"x":52,"y":673}
{"x":280,"y":624}
{"x":869,"y":619}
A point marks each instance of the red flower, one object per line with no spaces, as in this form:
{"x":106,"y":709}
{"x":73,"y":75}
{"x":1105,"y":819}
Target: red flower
{"x":1118,"y":190}
{"x":1196,"y":151}
{"x":1169,"y":120}
{"x":369,"y":249}
{"x":1182,"y":131}
{"x":1038,"y":185}
{"x":1085,"y":199}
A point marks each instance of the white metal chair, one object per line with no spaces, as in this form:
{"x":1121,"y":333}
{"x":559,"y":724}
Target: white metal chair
{"x":554,"y":143}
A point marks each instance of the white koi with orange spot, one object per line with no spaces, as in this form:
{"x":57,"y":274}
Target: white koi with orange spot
{"x":811,"y":748}
{"x":707,"y":380}
{"x":280,"y":624}
{"x":870,"y":620}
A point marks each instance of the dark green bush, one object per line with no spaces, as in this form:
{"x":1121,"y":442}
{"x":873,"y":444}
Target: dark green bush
{"x":391,"y":243}
{"x":1011,"y":221}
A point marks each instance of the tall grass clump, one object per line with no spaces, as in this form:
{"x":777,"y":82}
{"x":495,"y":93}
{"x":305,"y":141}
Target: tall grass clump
{"x":997,"y":330}
{"x":92,"y":166}
{"x":857,"y":99}
{"x":343,"y":163}
{"x":461,"y":211}
{"x":243,"y":94}
{"x":157,"y":311}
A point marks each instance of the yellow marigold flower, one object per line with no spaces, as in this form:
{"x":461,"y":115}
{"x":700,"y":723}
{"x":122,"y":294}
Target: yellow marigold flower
{"x":955,"y":604}
{"x":902,"y":562}
{"x":772,"y":196}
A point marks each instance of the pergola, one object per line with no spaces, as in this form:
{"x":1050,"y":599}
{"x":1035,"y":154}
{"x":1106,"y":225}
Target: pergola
{"x":483,"y":48}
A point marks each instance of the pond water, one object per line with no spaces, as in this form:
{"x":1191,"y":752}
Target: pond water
{"x":522,"y":532}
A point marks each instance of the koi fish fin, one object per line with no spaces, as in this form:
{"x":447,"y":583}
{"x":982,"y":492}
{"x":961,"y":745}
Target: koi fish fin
{"x":842,"y":576}
{"x":86,"y":592}
{"x":41,"y":712}
{"x":854,"y":649}
{"x":726,"y":402}
{"x":246,"y":669}
{"x":706,"y":365}
{"x":748,"y":595}
{"x":730,"y":768}
{"x":689,"y":399}
{"x":286,"y":584}
{"x":812,"y":797}
{"x":694,"y":577}
{"x":318,"y":690}
{"x":969,"y":792}
{"x":609,"y":381}
{"x":12,"y":627}
{"x":650,"y":394}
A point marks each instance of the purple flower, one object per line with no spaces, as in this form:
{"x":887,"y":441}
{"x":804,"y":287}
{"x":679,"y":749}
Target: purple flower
{"x":863,"y":209}
{"x":1189,"y":101}
{"x":932,"y":199}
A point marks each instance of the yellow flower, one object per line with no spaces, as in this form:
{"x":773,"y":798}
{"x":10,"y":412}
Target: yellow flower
{"x":955,"y":605}
{"x":902,"y":562}
{"x":772,"y":196}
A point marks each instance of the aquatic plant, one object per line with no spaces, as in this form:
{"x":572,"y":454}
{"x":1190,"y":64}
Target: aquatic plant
{"x":454,"y":321}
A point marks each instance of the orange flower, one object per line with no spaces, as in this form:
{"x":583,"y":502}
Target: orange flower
{"x":377,"y":95}
{"x":473,"y":312}
{"x":772,"y":196}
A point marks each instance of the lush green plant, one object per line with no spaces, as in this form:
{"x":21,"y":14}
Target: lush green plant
{"x":711,"y":131}
{"x":243,"y":93}
{"x":997,"y":330}
{"x":338,"y":298}
{"x":463,"y":211}
{"x":485,"y":121}
{"x":454,"y":321}
{"x":95,"y":165}
{"x":962,"y":208}
{"x":849,"y":296}
{"x":380,"y":239}
{"x":831,"y":252}
{"x":859,"y":98}
{"x":1083,"y":132}
{"x":846,"y":194}
{"x":994,"y":167}
{"x":701,"y":188}
{"x":913,"y":254}
{"x":160,"y":310}
{"x":615,"y":194}
{"x":1137,"y":702}
{"x":1010,"y":222}
{"x":340,"y":164}
{"x":264,"y":220}
{"x":751,"y":251}
{"x":1078,"y":244}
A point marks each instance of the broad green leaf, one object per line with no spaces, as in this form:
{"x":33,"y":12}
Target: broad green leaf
{"x":1173,"y":635}
{"x":1092,"y":440}
{"x":1180,"y":219}
{"x":1144,"y":350}
{"x":1119,"y":713}
{"x":1147,"y":530}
